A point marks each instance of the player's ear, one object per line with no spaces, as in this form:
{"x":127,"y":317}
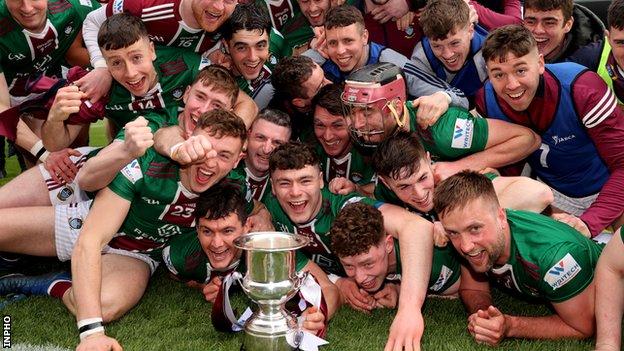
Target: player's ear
{"x":298,"y":102}
{"x":389,"y":242}
{"x":321,"y":178}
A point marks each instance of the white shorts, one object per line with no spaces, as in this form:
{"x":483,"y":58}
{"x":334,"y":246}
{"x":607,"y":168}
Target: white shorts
{"x":573,"y":205}
{"x":62,"y":194}
{"x":67,"y":224}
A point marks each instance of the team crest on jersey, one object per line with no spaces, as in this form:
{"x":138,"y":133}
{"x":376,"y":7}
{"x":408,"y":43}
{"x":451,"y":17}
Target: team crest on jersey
{"x":132,"y":171}
{"x":356,"y":177}
{"x":562,"y":272}
{"x":117,"y":6}
{"x":75,"y":223}
{"x":65,"y":193}
{"x":16,"y":57}
{"x":169,"y":230}
{"x":409,"y":32}
{"x":68,"y":29}
{"x":177,"y":93}
{"x":462,"y":134}
{"x":85,"y":3}
{"x":272,"y":59}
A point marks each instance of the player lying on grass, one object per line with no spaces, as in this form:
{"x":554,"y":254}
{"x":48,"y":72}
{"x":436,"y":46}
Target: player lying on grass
{"x":116,"y":245}
{"x":302,"y":205}
{"x":526,"y":253}
{"x":372,"y":259}
{"x":208,"y":258}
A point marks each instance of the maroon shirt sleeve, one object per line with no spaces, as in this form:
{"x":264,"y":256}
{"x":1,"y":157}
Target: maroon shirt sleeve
{"x":480,"y":101}
{"x":604,"y":121}
{"x":491,"y":19}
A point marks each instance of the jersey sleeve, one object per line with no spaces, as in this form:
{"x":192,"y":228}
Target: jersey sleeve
{"x":456,"y":134}
{"x":344,"y":200}
{"x":566,"y":271}
{"x":133,"y":7}
{"x":604,"y":121}
{"x":126,"y":181}
{"x":184,"y":258}
{"x":512,"y":14}
{"x":83,"y":7}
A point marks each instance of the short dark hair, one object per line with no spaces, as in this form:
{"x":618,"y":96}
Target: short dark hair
{"x":120,"y":31}
{"x":246,"y":17}
{"x":615,"y":15}
{"x":344,"y":16}
{"x":274,"y":116}
{"x":399,"y":155}
{"x":356,"y":229}
{"x":220,"y":200}
{"x":292,"y":156}
{"x":458,"y":190}
{"x":441,"y":17}
{"x":566,"y":6}
{"x":512,"y":38}
{"x":289,"y":75}
{"x":220,"y":79}
{"x":222,"y":123}
{"x":328,"y":98}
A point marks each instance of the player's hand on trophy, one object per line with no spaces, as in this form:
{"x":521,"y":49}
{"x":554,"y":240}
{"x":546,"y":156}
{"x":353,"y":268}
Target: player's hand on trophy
{"x":574,"y":222}
{"x":212,"y":289}
{"x":195,"y":149}
{"x":98,"y":342}
{"x":488,"y":327}
{"x":96,"y":83}
{"x":60,"y":166}
{"x":314,"y":320}
{"x":357,"y":298}
{"x":341,"y":186}
{"x":430,"y":108}
{"x":67,"y":101}
{"x":388,"y":296}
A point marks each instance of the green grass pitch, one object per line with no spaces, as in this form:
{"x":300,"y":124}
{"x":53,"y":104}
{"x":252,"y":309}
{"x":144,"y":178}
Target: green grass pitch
{"x":173,"y":317}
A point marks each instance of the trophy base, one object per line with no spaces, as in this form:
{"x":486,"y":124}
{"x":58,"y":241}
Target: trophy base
{"x":270,"y":343}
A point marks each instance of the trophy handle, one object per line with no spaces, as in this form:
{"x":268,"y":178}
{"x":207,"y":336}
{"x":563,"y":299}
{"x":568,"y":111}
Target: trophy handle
{"x":300,"y":278}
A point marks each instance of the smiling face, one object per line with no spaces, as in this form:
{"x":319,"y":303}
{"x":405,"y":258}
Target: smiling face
{"x":454,"y":49}
{"x":133,"y":66}
{"x":548,"y":28}
{"x":315,"y":10}
{"x":517,"y":78}
{"x":211,"y":14}
{"x":416,"y":189}
{"x":298,"y":192}
{"x":30,"y":14}
{"x":201,"y":176}
{"x":198,"y":99}
{"x":479,"y":233}
{"x":346,"y":46}
{"x":332,"y":132}
{"x":616,"y":40}
{"x":217,"y":236}
{"x":369,"y":269}
{"x":249,"y":50}
{"x":264,"y":137}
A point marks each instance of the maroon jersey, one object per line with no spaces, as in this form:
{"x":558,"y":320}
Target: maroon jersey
{"x":596,"y":109}
{"x":164,"y":23}
{"x":387,"y":33}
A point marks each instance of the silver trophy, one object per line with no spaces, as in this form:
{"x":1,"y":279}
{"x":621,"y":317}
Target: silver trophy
{"x":270,"y":281}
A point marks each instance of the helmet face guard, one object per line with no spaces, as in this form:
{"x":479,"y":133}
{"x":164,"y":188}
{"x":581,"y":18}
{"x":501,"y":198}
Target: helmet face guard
{"x":363,"y":98}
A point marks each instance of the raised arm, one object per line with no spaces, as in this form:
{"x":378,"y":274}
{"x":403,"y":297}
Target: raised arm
{"x":522,"y":193}
{"x":56,"y":134}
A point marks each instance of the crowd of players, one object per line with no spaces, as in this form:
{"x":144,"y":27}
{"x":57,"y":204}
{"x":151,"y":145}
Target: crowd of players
{"x":424,"y":147}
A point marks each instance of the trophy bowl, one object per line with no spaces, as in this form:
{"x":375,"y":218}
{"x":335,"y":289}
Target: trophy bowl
{"x":270,"y":281}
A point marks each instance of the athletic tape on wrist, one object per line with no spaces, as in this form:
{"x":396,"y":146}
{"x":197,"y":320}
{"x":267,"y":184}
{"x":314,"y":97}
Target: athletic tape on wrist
{"x":174,"y":148}
{"x":90,"y":326}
